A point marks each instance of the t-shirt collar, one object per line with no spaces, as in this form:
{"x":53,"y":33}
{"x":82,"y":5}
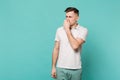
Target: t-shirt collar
{"x":76,"y":27}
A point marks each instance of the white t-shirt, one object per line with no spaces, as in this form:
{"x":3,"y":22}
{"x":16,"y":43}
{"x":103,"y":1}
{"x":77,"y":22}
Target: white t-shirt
{"x":68,"y":58}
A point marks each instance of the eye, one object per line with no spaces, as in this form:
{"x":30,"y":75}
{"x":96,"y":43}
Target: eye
{"x":66,"y":16}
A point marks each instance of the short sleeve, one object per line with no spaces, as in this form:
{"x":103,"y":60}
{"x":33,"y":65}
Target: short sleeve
{"x":57,"y":36}
{"x":82,"y":34}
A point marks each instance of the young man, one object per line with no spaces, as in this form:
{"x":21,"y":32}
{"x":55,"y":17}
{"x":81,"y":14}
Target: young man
{"x":68,"y":44}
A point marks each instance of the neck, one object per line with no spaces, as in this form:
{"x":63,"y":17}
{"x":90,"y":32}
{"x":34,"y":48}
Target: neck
{"x":74,"y":25}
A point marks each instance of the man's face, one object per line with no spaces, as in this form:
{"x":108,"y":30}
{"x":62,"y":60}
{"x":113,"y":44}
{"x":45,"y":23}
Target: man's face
{"x":72,"y":17}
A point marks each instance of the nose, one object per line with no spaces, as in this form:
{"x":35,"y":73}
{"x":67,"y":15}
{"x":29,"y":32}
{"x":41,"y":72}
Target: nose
{"x":67,"y":18}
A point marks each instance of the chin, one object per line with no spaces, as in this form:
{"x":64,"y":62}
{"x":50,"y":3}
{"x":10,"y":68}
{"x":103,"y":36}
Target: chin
{"x":71,"y":24}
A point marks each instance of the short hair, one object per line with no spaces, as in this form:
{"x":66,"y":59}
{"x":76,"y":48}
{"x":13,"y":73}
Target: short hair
{"x":69,"y":9}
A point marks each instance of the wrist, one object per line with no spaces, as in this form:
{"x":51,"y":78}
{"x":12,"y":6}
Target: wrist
{"x":68,"y":31}
{"x":53,"y":67}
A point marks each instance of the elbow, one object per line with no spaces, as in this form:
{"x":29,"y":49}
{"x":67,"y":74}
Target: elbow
{"x":75,"y":48}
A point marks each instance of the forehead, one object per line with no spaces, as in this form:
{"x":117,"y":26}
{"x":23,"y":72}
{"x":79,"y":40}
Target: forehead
{"x":71,"y":13}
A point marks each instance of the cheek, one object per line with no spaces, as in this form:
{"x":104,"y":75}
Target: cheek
{"x":72,"y":21}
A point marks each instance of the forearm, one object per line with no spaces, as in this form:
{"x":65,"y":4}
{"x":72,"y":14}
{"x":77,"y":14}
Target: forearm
{"x":54,"y":59}
{"x":73,"y":42}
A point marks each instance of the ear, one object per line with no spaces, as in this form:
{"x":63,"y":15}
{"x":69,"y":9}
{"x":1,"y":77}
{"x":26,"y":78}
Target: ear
{"x":78,"y":18}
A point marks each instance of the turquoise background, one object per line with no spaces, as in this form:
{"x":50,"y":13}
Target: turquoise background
{"x":27,"y":31}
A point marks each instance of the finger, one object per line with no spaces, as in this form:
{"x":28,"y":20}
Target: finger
{"x":54,"y":75}
{"x":68,"y":21}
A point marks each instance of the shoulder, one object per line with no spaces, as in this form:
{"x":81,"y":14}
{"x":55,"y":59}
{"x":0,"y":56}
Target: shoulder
{"x":82,"y":28}
{"x":60,"y":28}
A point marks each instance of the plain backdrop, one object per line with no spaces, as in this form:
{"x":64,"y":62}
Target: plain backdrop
{"x":27,"y":32}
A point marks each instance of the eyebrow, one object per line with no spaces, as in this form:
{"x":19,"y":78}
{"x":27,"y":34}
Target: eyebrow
{"x":68,"y":16}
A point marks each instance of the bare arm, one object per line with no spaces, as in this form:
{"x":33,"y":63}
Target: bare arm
{"x":54,"y":58}
{"x":74,"y":42}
